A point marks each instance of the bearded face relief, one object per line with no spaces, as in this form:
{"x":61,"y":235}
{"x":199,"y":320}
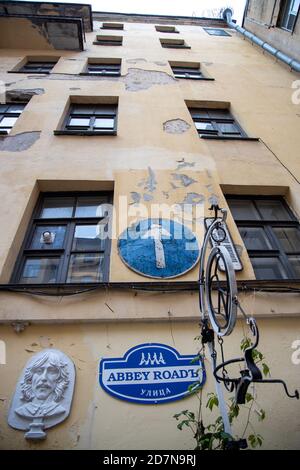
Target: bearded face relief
{"x":43,"y":394}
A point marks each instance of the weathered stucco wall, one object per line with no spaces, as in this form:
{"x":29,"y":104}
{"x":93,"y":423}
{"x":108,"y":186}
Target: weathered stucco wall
{"x":99,"y":421}
{"x":157,"y":157}
{"x":262,"y":19}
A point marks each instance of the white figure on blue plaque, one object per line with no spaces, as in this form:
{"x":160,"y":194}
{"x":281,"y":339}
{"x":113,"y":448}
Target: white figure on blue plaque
{"x":159,"y":248}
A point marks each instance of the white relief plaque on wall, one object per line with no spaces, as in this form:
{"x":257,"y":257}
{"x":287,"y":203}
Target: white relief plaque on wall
{"x":43,"y":394}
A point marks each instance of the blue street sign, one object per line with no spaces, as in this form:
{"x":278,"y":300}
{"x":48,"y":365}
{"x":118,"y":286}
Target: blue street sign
{"x":151,"y":374}
{"x":159,"y":248}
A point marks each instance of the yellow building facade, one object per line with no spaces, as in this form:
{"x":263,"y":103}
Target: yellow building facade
{"x":151,"y":156}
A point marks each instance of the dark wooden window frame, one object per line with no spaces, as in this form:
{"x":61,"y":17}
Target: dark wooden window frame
{"x":117,"y":27}
{"x":12,"y":114}
{"x":172,"y":30}
{"x":191,"y":73}
{"x":282,"y":10}
{"x":277,"y":250}
{"x":79,"y":130}
{"x":216,"y":133}
{"x":39,"y":68}
{"x":173,"y":45}
{"x":66,"y":251}
{"x":108,"y":42}
{"x":107,"y":66}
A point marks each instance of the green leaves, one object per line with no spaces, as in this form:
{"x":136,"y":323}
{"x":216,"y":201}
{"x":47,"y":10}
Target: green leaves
{"x":212,"y":401}
{"x":255,"y":440}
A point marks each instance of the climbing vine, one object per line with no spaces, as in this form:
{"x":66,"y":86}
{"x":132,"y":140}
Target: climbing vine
{"x":212,"y":436}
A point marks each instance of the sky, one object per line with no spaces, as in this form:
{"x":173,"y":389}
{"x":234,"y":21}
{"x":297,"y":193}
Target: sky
{"x":166,"y":7}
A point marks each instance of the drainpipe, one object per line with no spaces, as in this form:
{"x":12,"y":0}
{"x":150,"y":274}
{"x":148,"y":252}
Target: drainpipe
{"x":293,"y":63}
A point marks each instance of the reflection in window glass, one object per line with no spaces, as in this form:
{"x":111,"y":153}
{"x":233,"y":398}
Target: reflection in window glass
{"x":255,"y":238}
{"x":289,"y":238}
{"x":57,"y":207}
{"x":268,"y":268}
{"x":295,"y":262}
{"x":204,"y":126}
{"x":228,"y":128}
{"x":82,"y":122}
{"x":243,"y":209}
{"x":47,"y":237}
{"x":40,"y":271}
{"x":272,"y":210}
{"x":8,"y":121}
{"x":89,"y":207}
{"x":88,"y":238}
{"x":85,"y":268}
{"x":104,"y":123}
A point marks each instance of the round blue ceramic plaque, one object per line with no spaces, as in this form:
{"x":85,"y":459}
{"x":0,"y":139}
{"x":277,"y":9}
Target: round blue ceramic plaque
{"x":159,"y":248}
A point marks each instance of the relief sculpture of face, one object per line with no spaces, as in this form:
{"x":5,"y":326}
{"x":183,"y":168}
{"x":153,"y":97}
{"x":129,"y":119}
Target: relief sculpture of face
{"x":44,"y":381}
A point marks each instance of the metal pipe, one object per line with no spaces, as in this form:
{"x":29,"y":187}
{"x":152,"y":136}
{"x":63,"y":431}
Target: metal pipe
{"x":290,"y":61}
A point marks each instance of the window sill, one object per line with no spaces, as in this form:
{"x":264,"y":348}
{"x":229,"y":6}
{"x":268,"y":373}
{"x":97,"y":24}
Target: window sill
{"x":85,"y":74}
{"x":217,"y":137}
{"x":28,"y":73}
{"x":196,"y":78}
{"x":96,"y":43}
{"x":78,"y":132}
{"x":165,"y":46}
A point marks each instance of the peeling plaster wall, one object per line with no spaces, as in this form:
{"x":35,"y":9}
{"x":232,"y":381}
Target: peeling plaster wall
{"x":99,"y":421}
{"x":156,"y":158}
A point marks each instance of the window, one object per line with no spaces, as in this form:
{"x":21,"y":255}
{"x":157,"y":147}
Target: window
{"x":108,"y":41}
{"x":187,"y":72}
{"x":271,"y":235}
{"x":9,"y":114}
{"x":216,"y":32}
{"x":174,"y":43}
{"x":67,"y":240}
{"x":166,"y":29}
{"x":216,"y":123}
{"x":288,"y":14}
{"x":85,"y":119}
{"x":107,"y":69}
{"x":38,"y":67}
{"x":112,"y":26}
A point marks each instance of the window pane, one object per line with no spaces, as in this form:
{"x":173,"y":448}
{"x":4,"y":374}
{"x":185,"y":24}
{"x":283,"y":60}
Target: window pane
{"x":88,"y":238}
{"x":82,"y":122}
{"x":295,"y":262}
{"x":268,"y":268}
{"x":8,"y":121}
{"x":289,"y":238}
{"x":228,"y":128}
{"x":85,"y":268}
{"x":81,"y":109}
{"x":255,"y":238}
{"x":90,"y":206}
{"x":104,"y":123}
{"x":48,"y":237}
{"x":57,"y":207}
{"x":15,"y":108}
{"x":272,"y":210}
{"x":243,"y":209}
{"x":204,"y":126}
{"x":40,"y":271}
